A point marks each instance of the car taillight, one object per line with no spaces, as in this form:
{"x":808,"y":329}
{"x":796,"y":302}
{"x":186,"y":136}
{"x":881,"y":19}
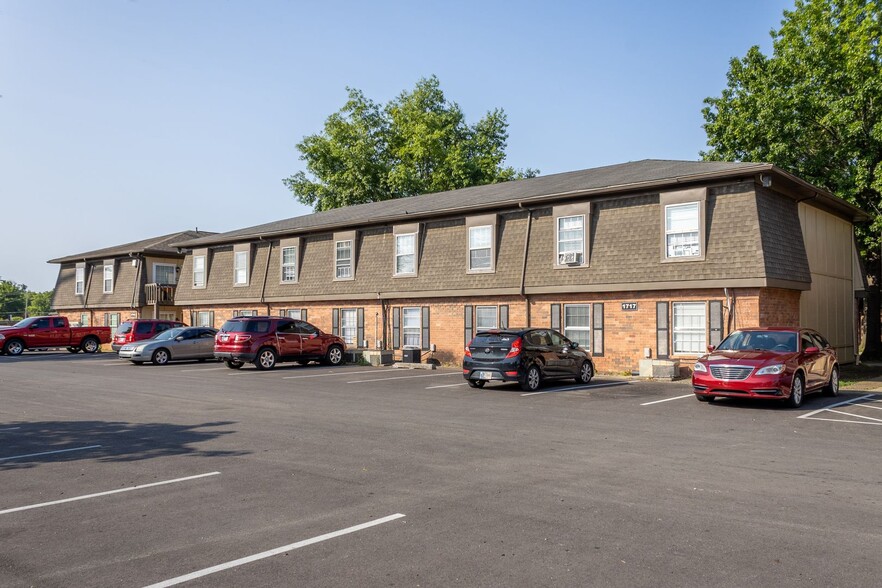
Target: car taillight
{"x":515,"y":348}
{"x":468,"y":352}
{"x":241,"y":338}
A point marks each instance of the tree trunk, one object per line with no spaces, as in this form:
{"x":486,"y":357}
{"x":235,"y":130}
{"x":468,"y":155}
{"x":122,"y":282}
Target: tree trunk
{"x":873,"y":348}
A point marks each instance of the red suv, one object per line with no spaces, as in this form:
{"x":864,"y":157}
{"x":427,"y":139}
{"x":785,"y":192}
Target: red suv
{"x":266,"y":340}
{"x":140,"y":329}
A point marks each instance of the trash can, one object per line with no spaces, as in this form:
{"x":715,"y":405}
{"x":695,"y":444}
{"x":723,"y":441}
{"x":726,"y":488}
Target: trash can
{"x":410,"y":354}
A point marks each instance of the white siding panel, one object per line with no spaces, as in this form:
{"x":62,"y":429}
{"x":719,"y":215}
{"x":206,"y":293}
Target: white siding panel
{"x":829,"y":305}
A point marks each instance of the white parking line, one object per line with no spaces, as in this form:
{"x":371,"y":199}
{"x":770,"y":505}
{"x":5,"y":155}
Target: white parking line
{"x":117,"y":364}
{"x":403,"y":378}
{"x":327,"y":374}
{"x":272,"y":552}
{"x":572,"y":388}
{"x":202,"y":370}
{"x":10,"y":429}
{"x":843,"y":403}
{"x":49,"y":452}
{"x":668,"y":399}
{"x":447,"y":386}
{"x":97,"y":494}
{"x":857,"y":416}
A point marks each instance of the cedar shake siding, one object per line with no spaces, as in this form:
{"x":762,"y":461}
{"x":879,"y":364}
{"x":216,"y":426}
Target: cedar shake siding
{"x":746,"y":265}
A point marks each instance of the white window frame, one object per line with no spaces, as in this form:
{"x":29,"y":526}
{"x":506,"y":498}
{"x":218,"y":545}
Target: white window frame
{"x":167,"y":316}
{"x":349,"y":326}
{"x":290,"y":266}
{"x":80,"y":281}
{"x":412,"y":326}
{"x":343,"y":265}
{"x":174,"y":271}
{"x":694,"y":245}
{"x":689,"y":338}
{"x":198,"y":273}
{"x":238,"y":313}
{"x":294,"y":313}
{"x":203,"y":319}
{"x":488,"y":247}
{"x":108,"y":280}
{"x":399,"y":254}
{"x":113,"y":317}
{"x":240,"y":268}
{"x":581,"y":251}
{"x":84,"y":319}
{"x":578,"y":333}
{"x":478,"y":318}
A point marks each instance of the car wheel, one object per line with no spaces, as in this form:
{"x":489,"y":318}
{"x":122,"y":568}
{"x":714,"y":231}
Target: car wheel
{"x":797,"y":392}
{"x":233,"y":364}
{"x":334,"y":356}
{"x":14,"y":347}
{"x":532,"y":379}
{"x":160,"y":357}
{"x":586,"y":372}
{"x":476,"y":383}
{"x":91,"y":345}
{"x":266,"y":359}
{"x":73,"y":349}
{"x":832,"y":387}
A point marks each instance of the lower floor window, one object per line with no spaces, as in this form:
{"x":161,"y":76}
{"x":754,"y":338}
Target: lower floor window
{"x":577,"y":324}
{"x":244,"y":313}
{"x":349,"y":325}
{"x":689,"y":328}
{"x":204,"y":319}
{"x":111,"y":319}
{"x":485,"y":317}
{"x":84,"y":319}
{"x":295,"y":313}
{"x":411,"y":326}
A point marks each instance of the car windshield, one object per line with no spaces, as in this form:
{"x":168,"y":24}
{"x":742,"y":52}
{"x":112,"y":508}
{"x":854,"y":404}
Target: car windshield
{"x":24,"y":323}
{"x":781,"y":341}
{"x":169,"y":334}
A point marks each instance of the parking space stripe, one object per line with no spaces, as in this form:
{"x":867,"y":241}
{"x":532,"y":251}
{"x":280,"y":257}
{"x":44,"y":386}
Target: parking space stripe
{"x":109,"y":492}
{"x":326,"y":374}
{"x":843,"y":403}
{"x":49,"y":452}
{"x":272,"y":552}
{"x":668,"y":399}
{"x":574,"y":388}
{"x":10,"y":429}
{"x":857,"y":416}
{"x":403,"y":378}
{"x":447,"y":386}
{"x":202,"y":370}
{"x":117,"y":364}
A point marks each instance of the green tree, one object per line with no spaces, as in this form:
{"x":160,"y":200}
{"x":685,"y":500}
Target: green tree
{"x":814,"y":107}
{"x":416,"y":144}
{"x":39,"y":303}
{"x":12,"y":299}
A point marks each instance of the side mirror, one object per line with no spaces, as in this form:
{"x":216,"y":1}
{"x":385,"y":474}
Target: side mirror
{"x":710,"y":348}
{"x":574,"y":344}
{"x":811,"y":350}
{"x":179,"y":338}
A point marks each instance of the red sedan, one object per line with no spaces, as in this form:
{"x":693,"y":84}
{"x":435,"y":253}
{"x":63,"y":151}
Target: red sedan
{"x":780,"y":363}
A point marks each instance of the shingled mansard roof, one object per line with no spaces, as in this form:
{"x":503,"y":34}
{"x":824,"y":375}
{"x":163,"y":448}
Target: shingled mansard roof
{"x":633,"y":176}
{"x":155,"y":246}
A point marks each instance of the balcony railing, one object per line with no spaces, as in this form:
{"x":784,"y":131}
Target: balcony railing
{"x":159,"y":293}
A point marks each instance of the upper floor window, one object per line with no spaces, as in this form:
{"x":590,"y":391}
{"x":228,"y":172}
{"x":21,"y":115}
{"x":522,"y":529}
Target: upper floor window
{"x":682,"y":226}
{"x":481,"y":248}
{"x":165,"y":273}
{"x":405,"y":254}
{"x":198,"y":271}
{"x":289,"y":264}
{"x":343,"y":260}
{"x":572,"y":242}
{"x":80,"y":280}
{"x":240,"y":268}
{"x":108,"y":279}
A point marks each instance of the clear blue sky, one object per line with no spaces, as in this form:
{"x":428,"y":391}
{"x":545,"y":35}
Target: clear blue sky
{"x":122,"y":120}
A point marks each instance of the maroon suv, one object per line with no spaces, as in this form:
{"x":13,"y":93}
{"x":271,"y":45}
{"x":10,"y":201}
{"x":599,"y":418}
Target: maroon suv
{"x":266,"y":340}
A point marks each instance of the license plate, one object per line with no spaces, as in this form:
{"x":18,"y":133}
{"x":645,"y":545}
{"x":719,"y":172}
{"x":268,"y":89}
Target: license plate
{"x":483,"y":375}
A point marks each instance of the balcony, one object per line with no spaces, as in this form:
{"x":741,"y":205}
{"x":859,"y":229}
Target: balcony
{"x":159,"y":294}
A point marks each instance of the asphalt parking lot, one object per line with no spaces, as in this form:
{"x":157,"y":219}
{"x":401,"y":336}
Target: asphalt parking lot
{"x":194,"y":474}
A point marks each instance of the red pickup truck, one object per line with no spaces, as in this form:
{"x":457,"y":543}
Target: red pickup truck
{"x":39,"y":332}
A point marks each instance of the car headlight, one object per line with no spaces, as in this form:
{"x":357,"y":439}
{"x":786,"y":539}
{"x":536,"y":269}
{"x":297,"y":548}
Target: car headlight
{"x":699,"y":367}
{"x":2,"y":337}
{"x":770,"y":370}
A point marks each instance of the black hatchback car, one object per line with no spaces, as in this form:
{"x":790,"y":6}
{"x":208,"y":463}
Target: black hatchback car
{"x":526,"y":356}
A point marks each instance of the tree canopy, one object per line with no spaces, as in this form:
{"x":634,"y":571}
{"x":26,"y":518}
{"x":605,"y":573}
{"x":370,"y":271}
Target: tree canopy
{"x":814,"y":107}
{"x":15,"y":298}
{"x":416,"y":144}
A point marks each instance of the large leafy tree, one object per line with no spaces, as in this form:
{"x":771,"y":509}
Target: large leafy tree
{"x":15,"y":299}
{"x":416,"y":144}
{"x":814,"y":107}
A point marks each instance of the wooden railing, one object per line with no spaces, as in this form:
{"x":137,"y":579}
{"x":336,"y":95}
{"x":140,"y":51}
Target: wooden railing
{"x":159,"y":293}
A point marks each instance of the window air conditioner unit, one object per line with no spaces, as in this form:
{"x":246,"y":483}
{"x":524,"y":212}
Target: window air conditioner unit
{"x":571,"y":258}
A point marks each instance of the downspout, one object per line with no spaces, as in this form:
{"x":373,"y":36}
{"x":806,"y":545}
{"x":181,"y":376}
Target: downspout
{"x":137,"y":283}
{"x":524,"y":263}
{"x":86,"y":292}
{"x":265,"y":276}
